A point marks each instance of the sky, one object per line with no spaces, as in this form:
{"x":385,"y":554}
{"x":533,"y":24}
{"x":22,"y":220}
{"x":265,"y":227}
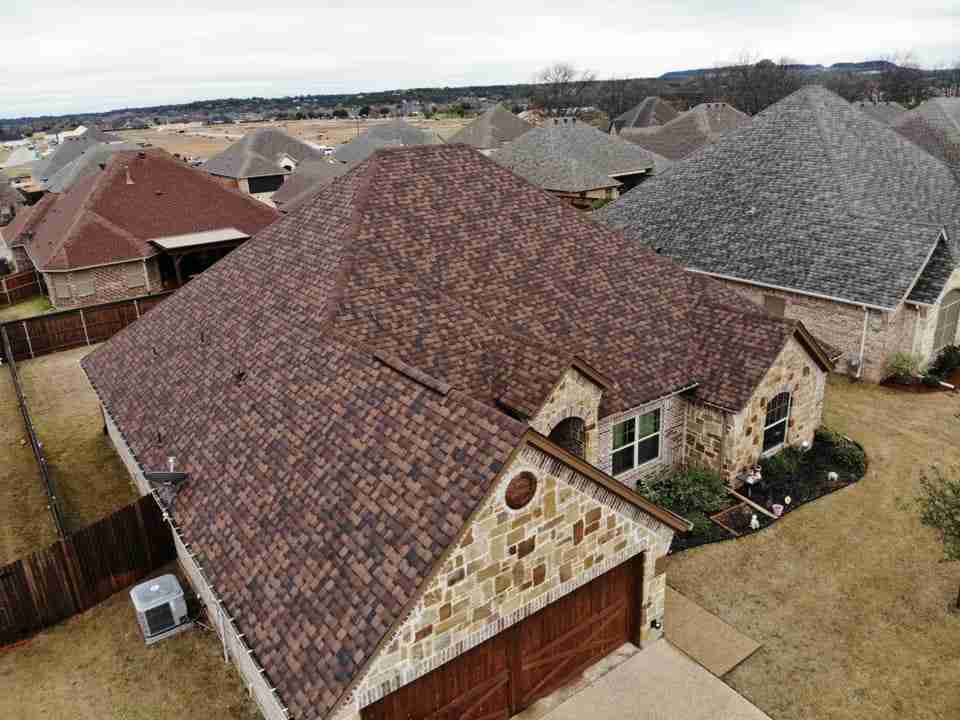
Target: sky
{"x":91,"y":56}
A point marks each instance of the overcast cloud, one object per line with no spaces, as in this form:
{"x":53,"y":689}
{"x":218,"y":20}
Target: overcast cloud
{"x":90,"y":56}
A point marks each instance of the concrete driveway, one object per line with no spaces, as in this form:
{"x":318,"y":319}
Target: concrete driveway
{"x":657,"y":683}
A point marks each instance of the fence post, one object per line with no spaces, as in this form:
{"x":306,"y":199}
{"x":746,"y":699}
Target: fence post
{"x":6,"y":291}
{"x":83,"y":322}
{"x":26,"y":332}
{"x":136,"y":306}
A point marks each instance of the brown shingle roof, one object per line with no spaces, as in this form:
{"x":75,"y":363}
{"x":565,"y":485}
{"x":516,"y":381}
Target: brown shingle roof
{"x":337,"y":379}
{"x":110,"y":215}
{"x":689,"y":132}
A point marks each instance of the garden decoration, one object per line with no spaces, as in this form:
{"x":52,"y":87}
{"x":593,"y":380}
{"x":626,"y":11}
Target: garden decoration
{"x":754,"y":522}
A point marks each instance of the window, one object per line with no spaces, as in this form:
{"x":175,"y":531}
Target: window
{"x":947,"y":321}
{"x":636,"y":441}
{"x":61,"y":286}
{"x":84,"y":284}
{"x":775,"y":426}
{"x":133,"y":275}
{"x":774,"y":305}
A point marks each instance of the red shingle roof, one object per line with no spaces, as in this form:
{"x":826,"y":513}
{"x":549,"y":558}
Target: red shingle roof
{"x":305,"y":381}
{"x":110,"y":215}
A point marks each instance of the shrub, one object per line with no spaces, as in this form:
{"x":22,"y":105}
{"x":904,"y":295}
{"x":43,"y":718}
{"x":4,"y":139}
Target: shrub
{"x":686,"y":492}
{"x":903,"y":366}
{"x":947,"y":361}
{"x":782,"y":466}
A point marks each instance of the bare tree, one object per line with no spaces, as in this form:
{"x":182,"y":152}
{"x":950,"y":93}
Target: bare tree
{"x":560,"y":88}
{"x":749,"y":84}
{"x":902,"y":81}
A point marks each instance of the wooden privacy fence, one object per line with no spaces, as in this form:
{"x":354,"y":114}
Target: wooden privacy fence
{"x":83,"y":569}
{"x":53,"y":332}
{"x":19,"y":286}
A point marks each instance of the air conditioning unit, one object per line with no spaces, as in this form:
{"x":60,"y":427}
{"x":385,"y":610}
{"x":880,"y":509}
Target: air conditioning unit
{"x":161,"y":608}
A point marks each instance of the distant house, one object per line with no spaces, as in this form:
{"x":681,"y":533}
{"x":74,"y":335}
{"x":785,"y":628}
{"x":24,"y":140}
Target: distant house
{"x":362,"y":147}
{"x":820,"y":214}
{"x":491,"y":130}
{"x":934,"y":125}
{"x":19,"y":157}
{"x":882,"y":111}
{"x":66,"y":152}
{"x":10,"y":201}
{"x":260,"y":161}
{"x":687,"y":133}
{"x":650,"y":112}
{"x":577,"y":162}
{"x":142,"y":223}
{"x":400,"y":131}
{"x":306,"y":181}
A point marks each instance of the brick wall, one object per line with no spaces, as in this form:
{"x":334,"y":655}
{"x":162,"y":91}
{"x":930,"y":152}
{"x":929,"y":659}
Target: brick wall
{"x":108,"y":282}
{"x":575,"y":395}
{"x":512,"y":563}
{"x":672,"y":412}
{"x":841,"y":325}
{"x":21,"y":261}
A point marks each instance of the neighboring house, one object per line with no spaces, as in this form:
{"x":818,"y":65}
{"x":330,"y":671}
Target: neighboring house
{"x":68,"y":151}
{"x":577,"y":162}
{"x":259,"y":162}
{"x":19,"y":157}
{"x":650,"y":112}
{"x":823,"y":215}
{"x":681,"y":137}
{"x":400,"y":426}
{"x":360,"y":148}
{"x":885,"y":111}
{"x":139,"y":224}
{"x":492,"y":130}
{"x":306,"y":181}
{"x":89,"y":161}
{"x":400,"y":131}
{"x":934,"y":125}
{"x":13,"y":235}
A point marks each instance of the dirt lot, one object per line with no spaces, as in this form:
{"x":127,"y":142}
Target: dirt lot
{"x":847,"y":594}
{"x":25,"y":523}
{"x":95,"y":666}
{"x":208,"y":141}
{"x":89,"y":476}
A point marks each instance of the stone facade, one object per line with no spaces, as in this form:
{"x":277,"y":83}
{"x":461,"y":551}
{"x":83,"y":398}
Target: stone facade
{"x":908,"y":329}
{"x":706,"y":435}
{"x":577,"y":396}
{"x":511,"y":563}
{"x":673,"y":412}
{"x":103,"y":284}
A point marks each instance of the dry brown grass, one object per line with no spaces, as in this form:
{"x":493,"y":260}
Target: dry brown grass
{"x":25,"y":523}
{"x":847,"y":594}
{"x":95,"y":666}
{"x":28,"y":308}
{"x":90,"y":479}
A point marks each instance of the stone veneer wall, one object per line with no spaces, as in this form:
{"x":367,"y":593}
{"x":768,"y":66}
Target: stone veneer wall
{"x":672,"y":419}
{"x":705,"y":437}
{"x":110,"y":283}
{"x":575,"y":395}
{"x":510,"y":564}
{"x":841,"y":325}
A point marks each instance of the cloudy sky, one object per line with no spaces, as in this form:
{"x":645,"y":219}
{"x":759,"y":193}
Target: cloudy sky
{"x":94,"y":55}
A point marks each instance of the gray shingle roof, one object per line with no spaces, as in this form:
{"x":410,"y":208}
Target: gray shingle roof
{"x":814,"y":196}
{"x":306,"y":181}
{"x":67,"y":151}
{"x":650,"y":112}
{"x":87,"y":162}
{"x":492,"y":130}
{"x":362,"y":147}
{"x":935,"y":126}
{"x":885,"y":112}
{"x":684,"y":135}
{"x":400,"y":131}
{"x":259,"y":153}
{"x":573,"y":157}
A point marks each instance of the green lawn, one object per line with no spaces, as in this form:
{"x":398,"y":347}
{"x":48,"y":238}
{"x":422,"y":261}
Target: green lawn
{"x":28,"y":308}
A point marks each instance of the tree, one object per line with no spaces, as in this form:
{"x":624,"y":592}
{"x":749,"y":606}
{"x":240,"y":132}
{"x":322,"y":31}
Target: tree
{"x":364,"y":111}
{"x":751,"y":85}
{"x":384,"y":111}
{"x":939,"y":506}
{"x":902,"y":81}
{"x":560,"y":88}
{"x":340,"y":114}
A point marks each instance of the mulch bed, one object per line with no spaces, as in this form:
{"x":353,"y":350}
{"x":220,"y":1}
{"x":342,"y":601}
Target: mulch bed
{"x":921,"y":388}
{"x":737,"y":519}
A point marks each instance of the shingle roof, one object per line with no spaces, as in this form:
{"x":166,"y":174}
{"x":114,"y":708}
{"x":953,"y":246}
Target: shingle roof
{"x":9,"y":195}
{"x":814,"y":196}
{"x":934,"y":125}
{"x":260,"y":153}
{"x":309,"y":377}
{"x":362,"y":147}
{"x":694,"y":129}
{"x":110,"y":215}
{"x":67,"y":151}
{"x":306,"y":181}
{"x":398,"y":130}
{"x":885,"y":112}
{"x":573,"y":157}
{"x":650,"y":112}
{"x":492,"y":129}
{"x":87,"y":162}
{"x":25,"y":221}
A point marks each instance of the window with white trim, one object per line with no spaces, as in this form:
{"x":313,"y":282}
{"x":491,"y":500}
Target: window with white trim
{"x":636,"y":441}
{"x":776,"y":423}
{"x":947,"y":321}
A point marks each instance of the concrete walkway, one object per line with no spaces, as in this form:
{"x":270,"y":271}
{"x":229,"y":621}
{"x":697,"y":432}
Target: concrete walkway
{"x":657,"y":683}
{"x":703,"y":636}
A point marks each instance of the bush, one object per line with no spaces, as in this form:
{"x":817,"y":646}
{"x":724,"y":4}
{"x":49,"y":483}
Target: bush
{"x":903,"y":366}
{"x":689,"y":492}
{"x":947,"y":361}
{"x":782,"y":466}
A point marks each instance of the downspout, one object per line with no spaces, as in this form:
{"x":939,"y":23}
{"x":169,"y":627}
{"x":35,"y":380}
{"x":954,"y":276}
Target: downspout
{"x":723,"y":440}
{"x":863,"y":342}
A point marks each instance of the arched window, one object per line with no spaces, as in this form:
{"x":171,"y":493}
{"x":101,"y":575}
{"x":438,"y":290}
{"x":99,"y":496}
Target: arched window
{"x":947,"y":321}
{"x":775,"y":425}
{"x":570,"y":434}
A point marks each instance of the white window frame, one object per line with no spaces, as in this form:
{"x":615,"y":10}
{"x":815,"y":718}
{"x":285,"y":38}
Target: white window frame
{"x":785,"y":421}
{"x":614,"y":449}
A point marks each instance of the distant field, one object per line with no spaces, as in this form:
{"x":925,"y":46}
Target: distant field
{"x":208,"y":141}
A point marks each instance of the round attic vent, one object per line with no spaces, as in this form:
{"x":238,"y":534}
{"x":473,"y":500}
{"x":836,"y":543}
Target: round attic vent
{"x":521,"y":490}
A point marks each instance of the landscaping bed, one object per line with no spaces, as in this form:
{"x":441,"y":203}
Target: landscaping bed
{"x":903,"y":372}
{"x":789,"y":479}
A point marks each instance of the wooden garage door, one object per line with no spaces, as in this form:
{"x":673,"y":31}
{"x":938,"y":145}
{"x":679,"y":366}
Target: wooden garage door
{"x":504,"y":675}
